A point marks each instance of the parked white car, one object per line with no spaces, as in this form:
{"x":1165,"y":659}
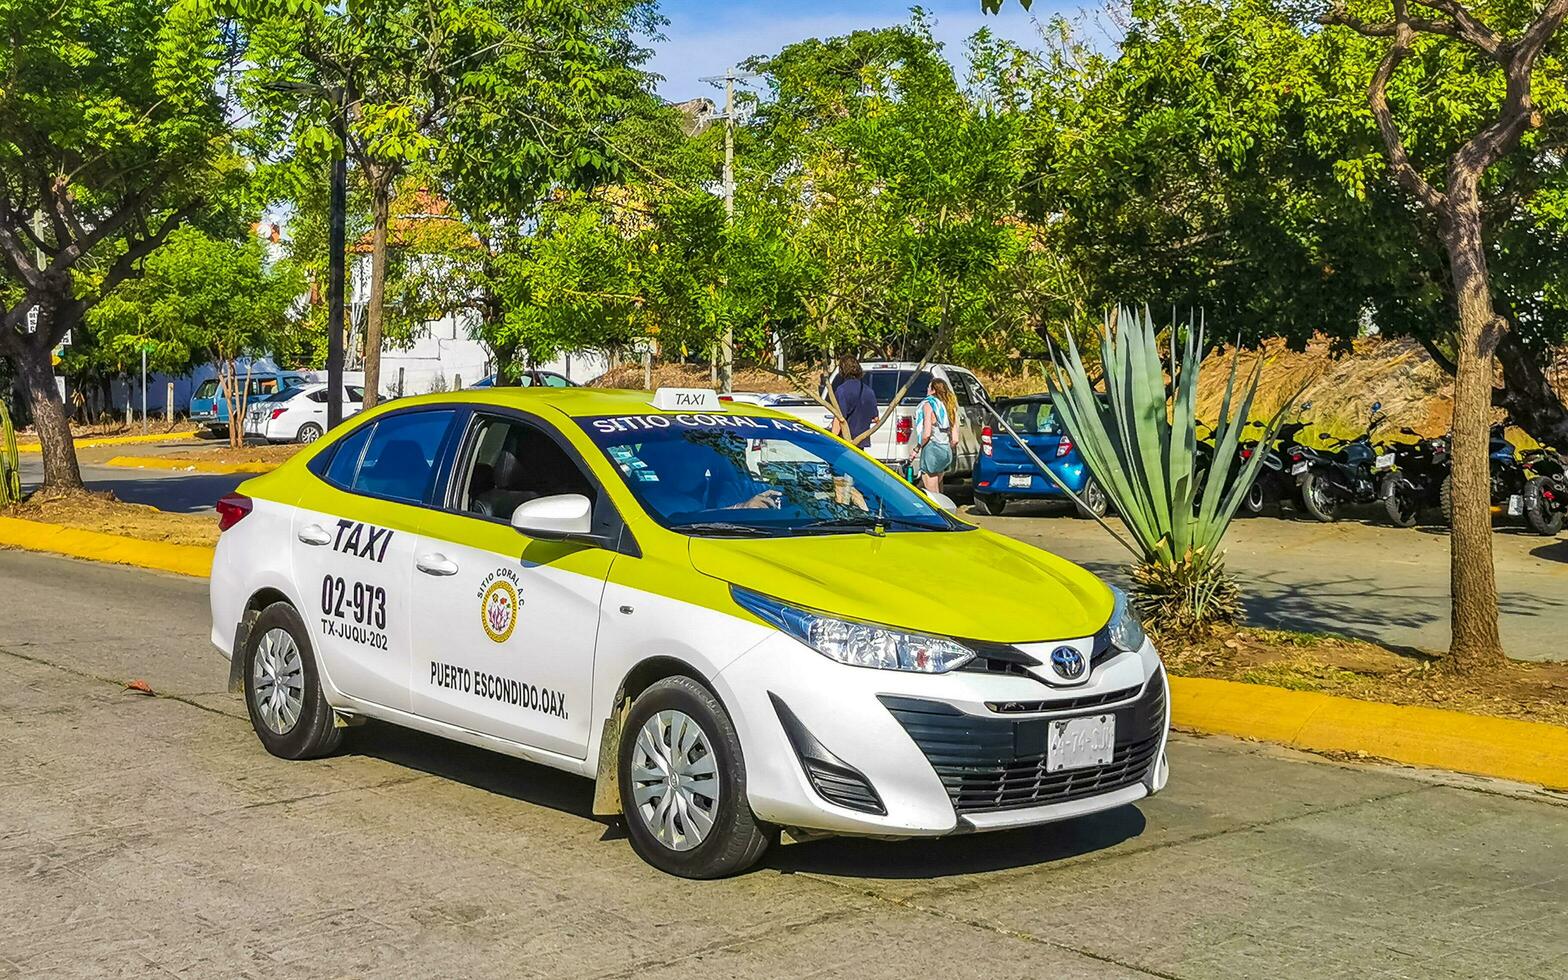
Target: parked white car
{"x":298,"y":414}
{"x":892,"y":442}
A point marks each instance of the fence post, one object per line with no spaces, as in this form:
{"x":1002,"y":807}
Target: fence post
{"x":168,"y":404}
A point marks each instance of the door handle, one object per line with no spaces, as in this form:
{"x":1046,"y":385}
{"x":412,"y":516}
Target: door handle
{"x":436,"y":564}
{"x":314,"y":534}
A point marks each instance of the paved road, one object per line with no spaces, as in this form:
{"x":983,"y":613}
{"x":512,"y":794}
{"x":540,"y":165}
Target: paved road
{"x":165,"y":490}
{"x":144,"y":835}
{"x":1355,"y":578}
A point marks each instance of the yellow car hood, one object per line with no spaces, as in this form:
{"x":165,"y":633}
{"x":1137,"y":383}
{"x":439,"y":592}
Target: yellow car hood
{"x":971,"y":584}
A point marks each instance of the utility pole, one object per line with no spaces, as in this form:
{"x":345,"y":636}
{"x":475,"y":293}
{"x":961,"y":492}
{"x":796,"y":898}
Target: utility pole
{"x":726,"y":358}
{"x":727,"y":345}
{"x":335,"y":246}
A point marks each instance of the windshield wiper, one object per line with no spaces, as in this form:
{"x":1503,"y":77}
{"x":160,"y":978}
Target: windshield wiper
{"x":867,"y":522}
{"x":724,"y":528}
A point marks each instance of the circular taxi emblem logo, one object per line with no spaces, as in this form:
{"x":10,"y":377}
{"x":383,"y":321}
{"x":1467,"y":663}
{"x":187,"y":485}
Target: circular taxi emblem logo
{"x":498,"y":611}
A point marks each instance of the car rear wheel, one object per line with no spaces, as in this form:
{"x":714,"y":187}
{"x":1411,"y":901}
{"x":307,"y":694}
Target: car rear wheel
{"x":683,"y":784}
{"x":308,"y":433}
{"x":1095,"y":502}
{"x":989,"y":504}
{"x":283,"y":687}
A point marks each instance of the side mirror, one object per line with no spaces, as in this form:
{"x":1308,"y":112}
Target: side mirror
{"x":943,"y":501}
{"x":555,"y":518}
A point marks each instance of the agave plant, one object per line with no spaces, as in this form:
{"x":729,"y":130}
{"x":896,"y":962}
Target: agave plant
{"x":1139,"y":438}
{"x":10,"y":462}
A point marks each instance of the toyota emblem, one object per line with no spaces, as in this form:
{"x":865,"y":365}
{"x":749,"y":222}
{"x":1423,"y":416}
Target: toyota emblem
{"x":1068,"y":663}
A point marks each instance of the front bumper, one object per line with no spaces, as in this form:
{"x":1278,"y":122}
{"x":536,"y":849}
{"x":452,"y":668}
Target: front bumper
{"x":939,"y":754}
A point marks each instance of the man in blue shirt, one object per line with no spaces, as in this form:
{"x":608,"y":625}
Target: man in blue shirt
{"x":857,"y":403}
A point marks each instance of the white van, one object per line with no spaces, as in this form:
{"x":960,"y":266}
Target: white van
{"x":892,"y":442}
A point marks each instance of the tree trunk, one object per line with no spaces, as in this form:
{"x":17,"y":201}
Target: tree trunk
{"x":380,"y":216}
{"x":1527,"y":395}
{"x":1475,"y":644}
{"x":61,"y":471}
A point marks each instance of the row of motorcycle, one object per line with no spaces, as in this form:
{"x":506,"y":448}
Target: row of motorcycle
{"x":1408,"y":477}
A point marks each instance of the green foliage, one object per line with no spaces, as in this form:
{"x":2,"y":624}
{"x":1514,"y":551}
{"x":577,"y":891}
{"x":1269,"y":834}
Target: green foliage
{"x":1139,"y":438}
{"x":10,"y":461}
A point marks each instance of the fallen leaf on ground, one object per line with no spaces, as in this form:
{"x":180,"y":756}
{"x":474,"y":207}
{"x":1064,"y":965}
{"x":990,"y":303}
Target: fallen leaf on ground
{"x":139,"y":686}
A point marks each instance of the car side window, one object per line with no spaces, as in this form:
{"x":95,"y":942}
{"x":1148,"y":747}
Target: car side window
{"x":345,"y":457}
{"x":399,"y":461}
{"x":960,"y":385}
{"x":353,"y":393}
{"x":319,"y":397}
{"x":555,"y":381}
{"x":511,"y":462}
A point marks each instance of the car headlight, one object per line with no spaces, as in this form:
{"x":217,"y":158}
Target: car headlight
{"x":855,"y":643}
{"x":1125,"y":628}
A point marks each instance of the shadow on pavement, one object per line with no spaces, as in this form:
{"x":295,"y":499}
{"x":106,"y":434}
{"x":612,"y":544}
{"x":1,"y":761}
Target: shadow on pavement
{"x":490,"y":771}
{"x":967,"y":854}
{"x":1556,"y":551}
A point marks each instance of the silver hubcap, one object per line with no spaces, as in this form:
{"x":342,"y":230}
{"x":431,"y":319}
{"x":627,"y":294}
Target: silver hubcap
{"x":278,"y":681}
{"x":675,"y":780}
{"x":309,"y":435}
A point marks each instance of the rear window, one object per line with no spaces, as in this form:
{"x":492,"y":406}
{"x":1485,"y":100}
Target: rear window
{"x":885,"y":384}
{"x":208,"y":388}
{"x":1030,"y":418}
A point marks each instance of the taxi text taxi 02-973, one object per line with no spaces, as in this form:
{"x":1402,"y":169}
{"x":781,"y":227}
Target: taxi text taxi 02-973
{"x":732,"y":621}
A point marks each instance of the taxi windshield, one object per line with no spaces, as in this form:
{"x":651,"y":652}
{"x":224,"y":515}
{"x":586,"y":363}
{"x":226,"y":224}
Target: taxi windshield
{"x":750,"y":476}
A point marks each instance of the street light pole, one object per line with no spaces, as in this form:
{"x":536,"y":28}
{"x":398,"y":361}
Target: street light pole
{"x":335,"y":246}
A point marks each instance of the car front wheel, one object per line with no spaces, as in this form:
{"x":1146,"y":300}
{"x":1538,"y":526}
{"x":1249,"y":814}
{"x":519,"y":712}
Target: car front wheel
{"x":683,"y":784}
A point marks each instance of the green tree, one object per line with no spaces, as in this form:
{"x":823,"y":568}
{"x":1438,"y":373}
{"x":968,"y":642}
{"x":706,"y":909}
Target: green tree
{"x":113,"y":133}
{"x":203,"y":299}
{"x":447,"y":88}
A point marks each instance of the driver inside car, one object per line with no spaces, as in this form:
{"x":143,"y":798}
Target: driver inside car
{"x":688,"y":478}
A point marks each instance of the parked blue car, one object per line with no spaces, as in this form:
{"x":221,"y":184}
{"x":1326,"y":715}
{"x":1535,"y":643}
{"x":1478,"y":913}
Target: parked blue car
{"x":1005,"y":472}
{"x":210,"y":409}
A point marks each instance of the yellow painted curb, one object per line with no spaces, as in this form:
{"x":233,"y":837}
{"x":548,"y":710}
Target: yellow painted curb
{"x":182,"y":559}
{"x":192,"y":465}
{"x":1527,"y":751}
{"x":89,"y":442}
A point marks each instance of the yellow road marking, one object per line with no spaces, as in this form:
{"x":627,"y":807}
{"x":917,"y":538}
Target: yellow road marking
{"x":1527,"y":751}
{"x":182,"y":559}
{"x":89,"y":442}
{"x":192,"y":465}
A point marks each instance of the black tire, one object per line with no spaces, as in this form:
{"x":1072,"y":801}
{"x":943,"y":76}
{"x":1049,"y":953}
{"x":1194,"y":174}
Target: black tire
{"x":1403,"y":509}
{"x":1541,"y":516}
{"x":735,"y":840}
{"x":307,"y":434}
{"x":1315,"y":499}
{"x":1254,"y":501}
{"x":1445,"y":500}
{"x":990,"y":504}
{"x":313,"y":732}
{"x":1094,"y":496}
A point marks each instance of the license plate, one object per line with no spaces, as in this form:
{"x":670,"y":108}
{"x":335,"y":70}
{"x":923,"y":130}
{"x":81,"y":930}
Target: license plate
{"x":1019,"y":480}
{"x":1298,"y":469}
{"x":1078,"y":743}
{"x":1384,"y":462}
{"x":1515,"y":505}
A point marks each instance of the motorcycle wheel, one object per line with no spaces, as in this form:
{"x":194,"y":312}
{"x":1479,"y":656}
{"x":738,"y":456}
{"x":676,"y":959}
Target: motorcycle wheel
{"x":1403,"y":510}
{"x":1315,"y":497}
{"x":1544,"y":519}
{"x":1255,"y":499}
{"x":1445,"y":500}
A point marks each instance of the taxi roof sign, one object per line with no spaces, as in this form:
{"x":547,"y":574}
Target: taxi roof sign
{"x":686,"y":400}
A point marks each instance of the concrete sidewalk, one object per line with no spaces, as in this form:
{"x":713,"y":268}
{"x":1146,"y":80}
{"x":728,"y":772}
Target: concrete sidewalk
{"x":153,"y":834}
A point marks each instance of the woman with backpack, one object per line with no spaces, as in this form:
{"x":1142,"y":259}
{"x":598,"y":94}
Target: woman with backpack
{"x":937,"y":444}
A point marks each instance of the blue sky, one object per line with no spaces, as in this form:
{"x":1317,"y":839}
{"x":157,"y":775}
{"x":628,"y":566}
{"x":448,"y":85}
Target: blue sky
{"x":703,"y":38}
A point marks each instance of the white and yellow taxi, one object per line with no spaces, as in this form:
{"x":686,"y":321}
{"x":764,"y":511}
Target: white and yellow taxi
{"x":732,"y":621}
